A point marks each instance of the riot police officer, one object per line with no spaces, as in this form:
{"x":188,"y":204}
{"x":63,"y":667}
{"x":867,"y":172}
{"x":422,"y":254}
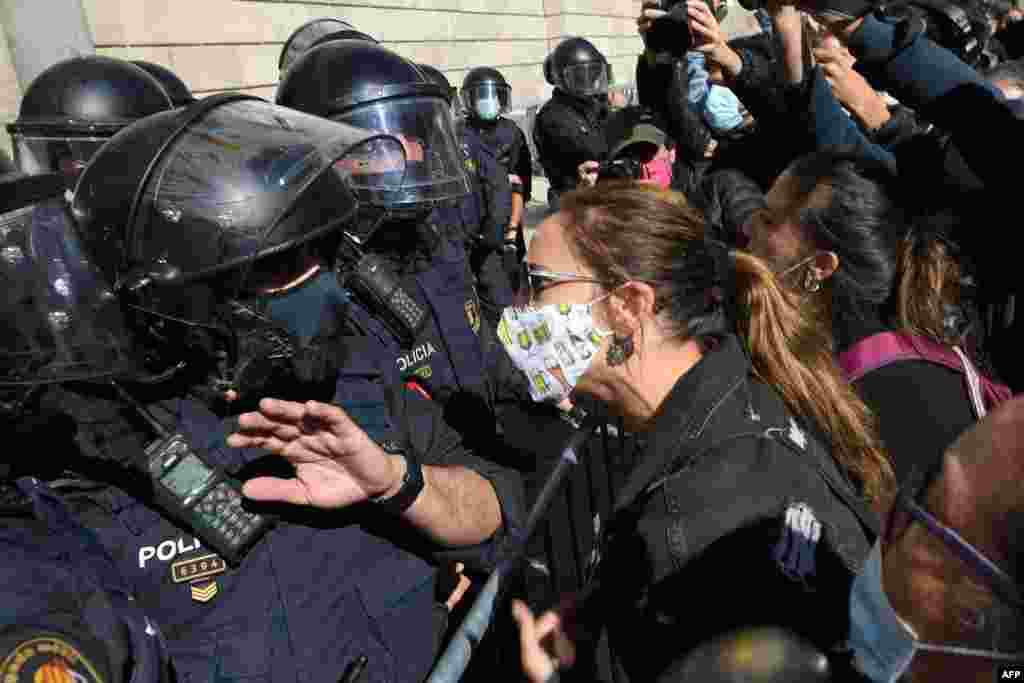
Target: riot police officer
{"x":568,"y":130}
{"x":219,"y":224}
{"x":176,"y":89}
{"x":68,"y":614}
{"x":75,"y":106}
{"x":426,"y":320}
{"x":496,"y":142}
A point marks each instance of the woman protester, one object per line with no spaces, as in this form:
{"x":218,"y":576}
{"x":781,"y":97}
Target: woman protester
{"x":752,"y":496}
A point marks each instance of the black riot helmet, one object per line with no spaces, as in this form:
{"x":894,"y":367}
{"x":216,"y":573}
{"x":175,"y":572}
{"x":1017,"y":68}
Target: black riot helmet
{"x":61,"y":321}
{"x":578,"y":68}
{"x":176,"y":89}
{"x":435,"y":75}
{"x":187,"y":208}
{"x":369,"y":86}
{"x":313,"y":33}
{"x":73,"y":107}
{"x":485,"y":93}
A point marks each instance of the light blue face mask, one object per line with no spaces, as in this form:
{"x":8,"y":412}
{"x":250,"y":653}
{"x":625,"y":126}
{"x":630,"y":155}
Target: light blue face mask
{"x":488,"y":108}
{"x":309,"y":309}
{"x":883,"y":644}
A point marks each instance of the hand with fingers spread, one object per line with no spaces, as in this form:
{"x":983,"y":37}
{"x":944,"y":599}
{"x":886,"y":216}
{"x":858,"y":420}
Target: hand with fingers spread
{"x":709,"y":39}
{"x":336,"y":463}
{"x":544,"y":643}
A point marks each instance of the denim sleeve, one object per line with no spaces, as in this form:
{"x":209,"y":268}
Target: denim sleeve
{"x":944,"y":91}
{"x":829,"y":126}
{"x":697,"y":75}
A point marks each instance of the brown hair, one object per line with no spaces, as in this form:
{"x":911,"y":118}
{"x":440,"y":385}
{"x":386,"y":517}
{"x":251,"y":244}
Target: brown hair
{"x":928,"y":278}
{"x":628,"y":231}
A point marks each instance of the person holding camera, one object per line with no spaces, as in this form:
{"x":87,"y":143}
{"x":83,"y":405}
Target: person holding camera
{"x":639,"y":149}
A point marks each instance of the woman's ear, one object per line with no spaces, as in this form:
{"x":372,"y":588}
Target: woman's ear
{"x":825,"y":264}
{"x":629,"y":306}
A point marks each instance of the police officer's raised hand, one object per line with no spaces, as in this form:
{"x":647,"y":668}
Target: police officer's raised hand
{"x":336,"y":463}
{"x":586,"y":173}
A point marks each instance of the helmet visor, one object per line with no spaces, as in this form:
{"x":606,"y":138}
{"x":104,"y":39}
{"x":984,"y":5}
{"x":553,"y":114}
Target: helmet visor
{"x":61,"y":321}
{"x":247,"y":179}
{"x":68,"y":156}
{"x":487,"y":100}
{"x":432,"y":173}
{"x":588,"y":78}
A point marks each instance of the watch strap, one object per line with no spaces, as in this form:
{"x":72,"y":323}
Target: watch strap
{"x":412,"y":487}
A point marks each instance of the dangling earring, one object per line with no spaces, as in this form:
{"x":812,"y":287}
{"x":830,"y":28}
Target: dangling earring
{"x":620,"y":350}
{"x":811,"y":283}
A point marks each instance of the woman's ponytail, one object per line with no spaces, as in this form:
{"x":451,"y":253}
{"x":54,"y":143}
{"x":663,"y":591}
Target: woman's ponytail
{"x":790,"y":351}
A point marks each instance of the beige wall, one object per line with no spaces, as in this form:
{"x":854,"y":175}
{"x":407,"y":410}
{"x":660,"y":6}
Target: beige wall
{"x":234,"y":44}
{"x":10,"y":92}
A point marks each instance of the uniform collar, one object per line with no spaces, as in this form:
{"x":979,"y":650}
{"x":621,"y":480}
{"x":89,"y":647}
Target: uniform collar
{"x":686,"y":411}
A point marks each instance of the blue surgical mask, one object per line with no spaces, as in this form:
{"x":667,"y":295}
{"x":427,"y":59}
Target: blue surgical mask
{"x":311,"y":308}
{"x":488,"y":108}
{"x":883,"y":644}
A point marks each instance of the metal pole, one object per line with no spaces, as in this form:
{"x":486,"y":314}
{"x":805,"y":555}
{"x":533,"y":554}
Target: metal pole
{"x":455,"y":660}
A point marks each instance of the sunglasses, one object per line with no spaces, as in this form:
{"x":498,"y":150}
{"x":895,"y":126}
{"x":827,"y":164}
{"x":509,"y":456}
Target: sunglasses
{"x":536,"y":279}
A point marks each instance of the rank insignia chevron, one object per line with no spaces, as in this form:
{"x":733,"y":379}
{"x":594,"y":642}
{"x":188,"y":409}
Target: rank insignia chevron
{"x":204,"y":593}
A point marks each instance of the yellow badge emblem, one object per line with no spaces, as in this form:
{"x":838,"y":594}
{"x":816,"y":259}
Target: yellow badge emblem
{"x":473,"y":315}
{"x":47,"y":659}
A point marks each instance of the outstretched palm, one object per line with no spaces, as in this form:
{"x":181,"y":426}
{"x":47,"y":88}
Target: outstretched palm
{"x":336,"y":463}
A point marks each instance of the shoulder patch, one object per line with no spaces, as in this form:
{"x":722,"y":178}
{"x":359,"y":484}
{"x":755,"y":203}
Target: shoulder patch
{"x":48,"y":657}
{"x":794,"y":552}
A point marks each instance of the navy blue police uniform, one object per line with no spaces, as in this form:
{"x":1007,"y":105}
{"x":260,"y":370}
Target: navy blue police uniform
{"x":68,"y":612}
{"x":502,"y":165}
{"x":322,"y":588}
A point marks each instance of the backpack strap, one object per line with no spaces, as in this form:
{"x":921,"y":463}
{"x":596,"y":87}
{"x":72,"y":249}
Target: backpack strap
{"x":886,"y":348}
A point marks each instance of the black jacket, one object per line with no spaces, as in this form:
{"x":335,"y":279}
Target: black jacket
{"x":567,"y":132}
{"x":699,"y":543}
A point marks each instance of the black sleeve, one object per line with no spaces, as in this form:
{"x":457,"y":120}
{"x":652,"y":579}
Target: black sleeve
{"x":564,"y":137}
{"x":662,"y":87}
{"x":522,"y":166}
{"x":433,"y":442}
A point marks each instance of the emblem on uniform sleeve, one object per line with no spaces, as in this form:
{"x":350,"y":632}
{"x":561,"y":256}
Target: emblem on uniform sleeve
{"x":198,"y":573}
{"x":473,"y":315}
{"x":47,"y":659}
{"x":795,"y":551}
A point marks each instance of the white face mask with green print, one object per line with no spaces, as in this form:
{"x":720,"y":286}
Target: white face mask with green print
{"x":555,"y":337}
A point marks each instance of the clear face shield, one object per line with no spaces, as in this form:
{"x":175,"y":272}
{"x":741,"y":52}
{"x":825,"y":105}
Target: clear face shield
{"x":61,"y":320}
{"x":487,"y":101}
{"x":432,"y":171}
{"x":36,"y":155}
{"x":249,"y":176}
{"x":586,"y":79}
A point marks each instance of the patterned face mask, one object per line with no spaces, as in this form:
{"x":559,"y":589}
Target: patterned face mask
{"x":560,"y":337}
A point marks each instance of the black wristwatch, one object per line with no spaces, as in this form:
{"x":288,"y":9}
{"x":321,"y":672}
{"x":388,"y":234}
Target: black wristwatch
{"x":412,"y":487}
